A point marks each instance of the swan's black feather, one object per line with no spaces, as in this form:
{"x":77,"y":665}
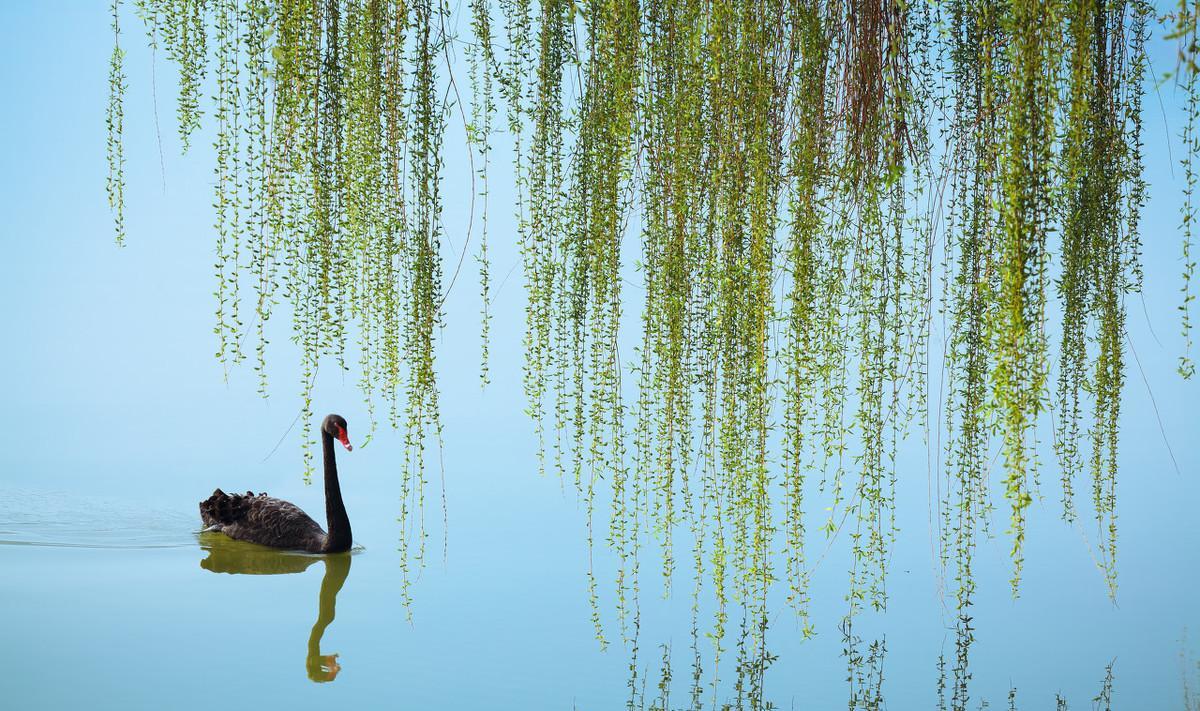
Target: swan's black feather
{"x":259,"y":518}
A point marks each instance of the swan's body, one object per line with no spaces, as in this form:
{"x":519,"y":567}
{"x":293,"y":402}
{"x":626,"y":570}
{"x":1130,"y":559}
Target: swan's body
{"x":268,"y":521}
{"x":262,"y":519}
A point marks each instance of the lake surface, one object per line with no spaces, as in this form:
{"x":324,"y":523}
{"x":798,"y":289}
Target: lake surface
{"x":119,"y":602}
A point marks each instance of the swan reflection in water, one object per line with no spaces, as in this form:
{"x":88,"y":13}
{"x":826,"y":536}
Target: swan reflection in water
{"x":237,"y":557}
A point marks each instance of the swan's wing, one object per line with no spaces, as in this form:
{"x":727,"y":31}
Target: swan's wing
{"x":260,"y":519}
{"x":284,"y":519}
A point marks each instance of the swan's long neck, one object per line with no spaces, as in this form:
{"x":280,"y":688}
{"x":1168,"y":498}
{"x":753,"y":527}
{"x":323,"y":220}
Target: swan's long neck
{"x":339,"y":537}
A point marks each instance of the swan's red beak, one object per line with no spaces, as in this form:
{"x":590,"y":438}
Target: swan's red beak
{"x":344,"y":438}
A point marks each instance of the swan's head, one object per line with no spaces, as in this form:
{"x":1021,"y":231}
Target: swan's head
{"x":335,"y":426}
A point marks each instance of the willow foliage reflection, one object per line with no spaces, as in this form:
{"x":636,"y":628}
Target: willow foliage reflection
{"x":652,"y":682}
{"x":1189,"y":668}
{"x":655,"y":682}
{"x":239,"y":558}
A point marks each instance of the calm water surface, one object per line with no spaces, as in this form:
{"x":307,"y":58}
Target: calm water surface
{"x":119,"y":602}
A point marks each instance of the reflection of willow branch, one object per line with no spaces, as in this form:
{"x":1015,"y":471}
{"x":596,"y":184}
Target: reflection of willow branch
{"x":752,"y":659}
{"x":865,"y":670}
{"x":752,"y":662}
{"x":1100,"y":702}
{"x":1191,"y":695}
{"x":941,"y":682}
{"x":1103,"y":700}
{"x":241,"y":558}
{"x":964,"y":635}
{"x":697,"y":690}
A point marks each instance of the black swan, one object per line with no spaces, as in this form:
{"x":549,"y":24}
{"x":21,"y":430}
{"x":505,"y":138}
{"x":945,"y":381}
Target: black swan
{"x":258,"y":518}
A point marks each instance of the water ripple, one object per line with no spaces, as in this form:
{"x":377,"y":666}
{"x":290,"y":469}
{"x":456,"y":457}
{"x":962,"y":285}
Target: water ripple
{"x":61,"y":519}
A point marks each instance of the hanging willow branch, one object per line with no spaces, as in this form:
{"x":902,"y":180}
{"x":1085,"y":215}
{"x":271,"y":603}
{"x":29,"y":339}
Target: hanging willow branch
{"x":115,"y":120}
{"x":1188,"y":77}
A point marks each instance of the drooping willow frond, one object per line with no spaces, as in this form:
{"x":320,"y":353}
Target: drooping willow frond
{"x":115,"y":120}
{"x":1188,"y":79}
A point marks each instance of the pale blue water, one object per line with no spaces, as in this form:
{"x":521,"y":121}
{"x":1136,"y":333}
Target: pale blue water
{"x":117,"y":421}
